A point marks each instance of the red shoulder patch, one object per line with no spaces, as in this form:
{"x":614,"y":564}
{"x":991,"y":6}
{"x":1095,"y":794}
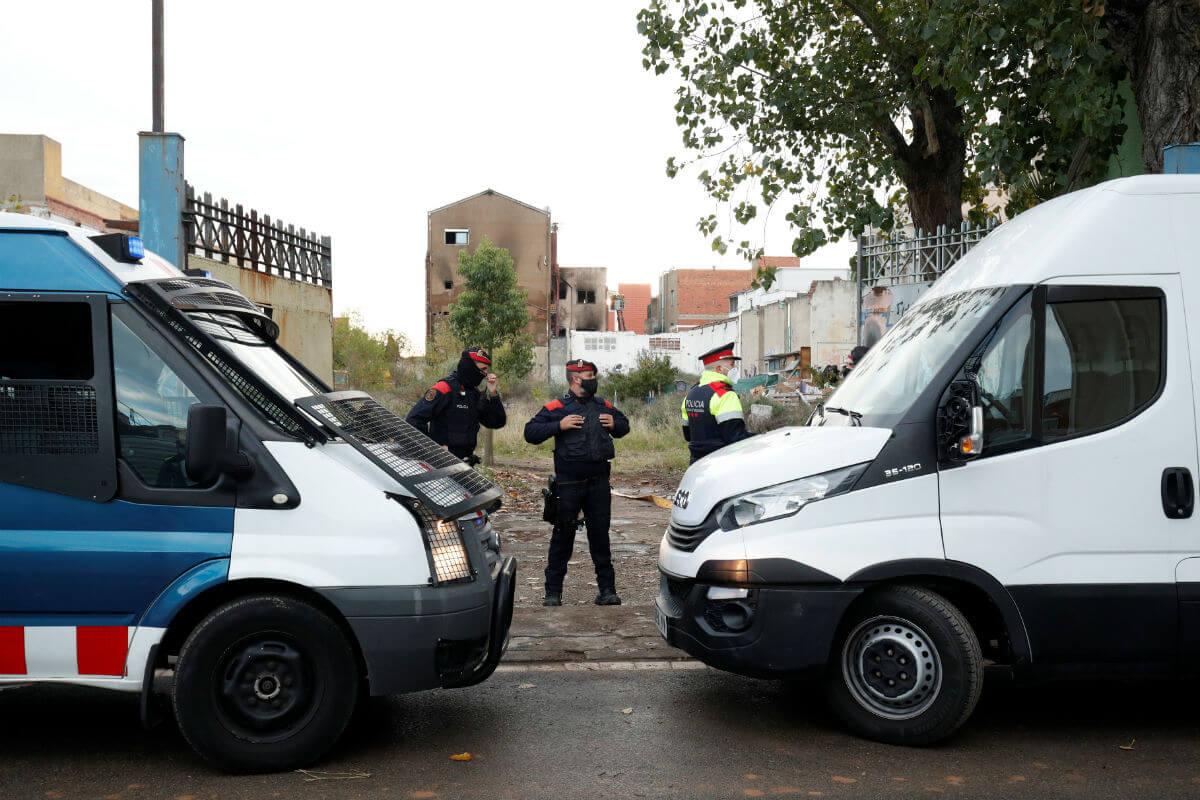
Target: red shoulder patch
{"x":720,"y":387}
{"x":442,"y":387}
{"x":553,"y":405}
{"x":607,"y":404}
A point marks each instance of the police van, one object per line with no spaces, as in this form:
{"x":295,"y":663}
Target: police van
{"x":178,"y":493}
{"x":1007,"y":478}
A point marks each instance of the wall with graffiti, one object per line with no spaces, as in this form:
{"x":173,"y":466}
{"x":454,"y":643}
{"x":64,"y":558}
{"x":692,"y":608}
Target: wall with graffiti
{"x":882,"y":307}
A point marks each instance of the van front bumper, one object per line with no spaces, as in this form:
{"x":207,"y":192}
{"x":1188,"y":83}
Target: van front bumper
{"x":424,"y":637}
{"x":773,"y":632}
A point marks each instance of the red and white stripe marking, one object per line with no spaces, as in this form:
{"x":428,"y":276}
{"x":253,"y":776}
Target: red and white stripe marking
{"x":65,"y":651}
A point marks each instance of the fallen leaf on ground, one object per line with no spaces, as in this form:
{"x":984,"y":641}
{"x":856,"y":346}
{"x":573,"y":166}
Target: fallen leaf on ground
{"x":1127,"y":746}
{"x":461,"y":757}
{"x":840,"y":779}
{"x":626,"y":710}
{"x":525,"y":686}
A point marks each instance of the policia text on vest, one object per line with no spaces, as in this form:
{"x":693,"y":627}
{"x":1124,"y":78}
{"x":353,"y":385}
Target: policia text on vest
{"x":583,"y":426}
{"x":712,"y":411}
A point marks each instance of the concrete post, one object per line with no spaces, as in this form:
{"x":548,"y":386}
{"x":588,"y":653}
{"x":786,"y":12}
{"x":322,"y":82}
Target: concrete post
{"x":161,"y":195}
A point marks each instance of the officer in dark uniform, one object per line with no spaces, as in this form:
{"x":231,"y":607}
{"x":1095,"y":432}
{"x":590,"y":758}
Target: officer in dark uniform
{"x":453,"y":408}
{"x":583,"y":426}
{"x":712,"y":411}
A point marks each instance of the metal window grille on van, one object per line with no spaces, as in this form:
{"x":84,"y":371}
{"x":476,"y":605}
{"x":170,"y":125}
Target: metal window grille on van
{"x":443,"y":483}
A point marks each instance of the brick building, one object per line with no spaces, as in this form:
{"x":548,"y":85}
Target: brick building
{"x":637,"y":308}
{"x":524,"y":230}
{"x":690,"y":297}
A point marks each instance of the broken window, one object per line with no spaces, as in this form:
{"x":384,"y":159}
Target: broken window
{"x":457,"y":235}
{"x":448,"y":285}
{"x":585,"y":296}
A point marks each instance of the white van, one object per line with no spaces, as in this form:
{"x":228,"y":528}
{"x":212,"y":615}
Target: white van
{"x":178,"y":492}
{"x":1008,"y":478}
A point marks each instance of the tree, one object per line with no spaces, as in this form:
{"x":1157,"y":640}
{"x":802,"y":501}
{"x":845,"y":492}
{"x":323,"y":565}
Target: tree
{"x":1159,"y":43}
{"x":871,"y":111}
{"x":490,"y":313}
{"x":368,"y":358}
{"x":650,"y":375}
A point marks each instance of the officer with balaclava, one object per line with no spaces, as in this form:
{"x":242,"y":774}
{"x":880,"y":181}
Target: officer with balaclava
{"x":712,"y":411}
{"x":583,"y":425}
{"x":454,"y":407}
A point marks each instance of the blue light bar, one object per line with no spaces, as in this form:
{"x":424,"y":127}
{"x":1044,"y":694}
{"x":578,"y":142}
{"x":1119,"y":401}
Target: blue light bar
{"x":134,"y":247}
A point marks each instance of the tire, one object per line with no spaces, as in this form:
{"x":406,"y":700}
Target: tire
{"x":291,"y":700}
{"x":929,"y":668}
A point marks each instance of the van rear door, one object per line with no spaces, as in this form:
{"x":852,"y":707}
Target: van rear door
{"x":1088,"y":402}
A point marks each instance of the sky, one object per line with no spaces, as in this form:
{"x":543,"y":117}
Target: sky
{"x":354,"y":119}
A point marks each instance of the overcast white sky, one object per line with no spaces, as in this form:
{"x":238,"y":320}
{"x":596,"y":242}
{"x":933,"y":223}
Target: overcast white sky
{"x":355,"y":118}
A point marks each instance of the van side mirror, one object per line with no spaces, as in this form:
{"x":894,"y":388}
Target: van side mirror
{"x":960,"y":422}
{"x":209,"y":455}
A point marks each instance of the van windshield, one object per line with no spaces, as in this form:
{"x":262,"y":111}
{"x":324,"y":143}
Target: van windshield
{"x":900,"y":366}
{"x":257,"y":354}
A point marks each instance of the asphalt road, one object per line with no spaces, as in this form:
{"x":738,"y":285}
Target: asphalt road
{"x":688,"y":734}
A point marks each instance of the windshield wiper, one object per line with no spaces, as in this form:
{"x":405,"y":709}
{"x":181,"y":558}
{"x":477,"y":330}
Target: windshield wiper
{"x":853,"y":415}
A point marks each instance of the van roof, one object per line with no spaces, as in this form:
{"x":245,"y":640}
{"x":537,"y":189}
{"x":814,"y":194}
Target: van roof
{"x":1127,"y":226}
{"x":25,"y":268}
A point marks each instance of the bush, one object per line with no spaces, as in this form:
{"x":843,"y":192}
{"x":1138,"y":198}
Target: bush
{"x":651,"y":375}
{"x":369,"y":359}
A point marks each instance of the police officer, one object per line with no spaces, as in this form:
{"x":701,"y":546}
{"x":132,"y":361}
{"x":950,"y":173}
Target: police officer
{"x":712,"y":411}
{"x":453,"y":408}
{"x":583,"y":426}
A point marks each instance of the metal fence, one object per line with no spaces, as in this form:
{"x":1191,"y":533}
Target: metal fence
{"x":215,"y":230}
{"x":915,"y":260}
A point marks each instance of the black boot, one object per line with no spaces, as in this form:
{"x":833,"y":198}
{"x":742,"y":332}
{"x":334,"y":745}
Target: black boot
{"x":554,"y":599}
{"x":608,"y":597}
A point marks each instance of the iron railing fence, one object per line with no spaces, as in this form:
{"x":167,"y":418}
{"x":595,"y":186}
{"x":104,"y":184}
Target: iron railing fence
{"x":215,"y":230}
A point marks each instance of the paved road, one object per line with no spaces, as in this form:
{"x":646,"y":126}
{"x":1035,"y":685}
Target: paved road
{"x":690,"y":733}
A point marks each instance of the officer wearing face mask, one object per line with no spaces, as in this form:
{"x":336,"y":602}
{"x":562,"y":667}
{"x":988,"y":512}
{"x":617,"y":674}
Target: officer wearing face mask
{"x":454,"y":407}
{"x":712,"y":411}
{"x":583,"y":426}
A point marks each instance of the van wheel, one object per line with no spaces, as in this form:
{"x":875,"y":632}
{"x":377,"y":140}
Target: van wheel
{"x":907,"y":668}
{"x":263,"y":684}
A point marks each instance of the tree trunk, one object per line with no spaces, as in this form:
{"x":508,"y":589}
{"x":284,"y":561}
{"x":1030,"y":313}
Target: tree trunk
{"x":488,"y":458}
{"x":932,"y":171}
{"x":1159,"y":41}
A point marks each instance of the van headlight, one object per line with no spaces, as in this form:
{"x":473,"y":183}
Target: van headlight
{"x":784,"y":499}
{"x":448,"y":560}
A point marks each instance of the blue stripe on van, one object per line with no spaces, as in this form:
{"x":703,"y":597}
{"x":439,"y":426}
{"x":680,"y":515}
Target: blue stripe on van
{"x":66,"y":557}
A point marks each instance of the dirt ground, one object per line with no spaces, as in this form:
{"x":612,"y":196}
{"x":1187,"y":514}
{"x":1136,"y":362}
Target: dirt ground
{"x":579,"y":630}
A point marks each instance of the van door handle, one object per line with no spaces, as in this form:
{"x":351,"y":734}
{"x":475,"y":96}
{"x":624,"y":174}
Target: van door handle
{"x":1178,"y":493}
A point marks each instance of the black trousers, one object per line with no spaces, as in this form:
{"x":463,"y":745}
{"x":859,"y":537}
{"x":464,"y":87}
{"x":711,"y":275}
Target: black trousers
{"x":593,"y":498}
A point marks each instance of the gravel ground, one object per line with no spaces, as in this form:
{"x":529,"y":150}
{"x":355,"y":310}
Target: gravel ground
{"x":579,"y":629}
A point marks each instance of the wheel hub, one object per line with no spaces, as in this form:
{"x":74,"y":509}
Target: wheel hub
{"x":266,"y":689}
{"x":891,"y":668}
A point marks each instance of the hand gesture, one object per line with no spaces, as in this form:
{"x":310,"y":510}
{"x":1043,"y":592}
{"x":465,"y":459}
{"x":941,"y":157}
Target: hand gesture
{"x":570,"y":422}
{"x":606,"y":420}
{"x":493,"y":384}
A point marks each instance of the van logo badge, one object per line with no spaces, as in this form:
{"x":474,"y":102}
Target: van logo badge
{"x":681,"y":498}
{"x":907,"y":469}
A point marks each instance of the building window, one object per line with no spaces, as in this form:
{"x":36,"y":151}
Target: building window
{"x":457,"y":235}
{"x":605,"y":343}
{"x":448,"y":285}
{"x":664,"y":343}
{"x":562,"y":290}
{"x":733,"y":305}
{"x":585,"y":296}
